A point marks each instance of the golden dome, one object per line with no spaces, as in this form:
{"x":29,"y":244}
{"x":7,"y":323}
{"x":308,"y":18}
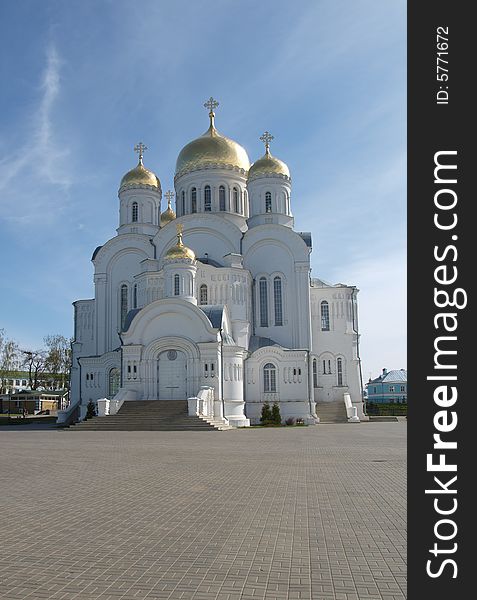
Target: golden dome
{"x":179,"y":251}
{"x":268,"y":165}
{"x":140,"y":176}
{"x":211,"y":149}
{"x":168,"y":215}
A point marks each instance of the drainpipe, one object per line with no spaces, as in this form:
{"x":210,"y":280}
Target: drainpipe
{"x":356,"y":331}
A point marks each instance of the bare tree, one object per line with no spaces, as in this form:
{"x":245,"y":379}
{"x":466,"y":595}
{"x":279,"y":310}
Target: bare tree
{"x":35,"y":362}
{"x":9,"y":359}
{"x":58,"y":359}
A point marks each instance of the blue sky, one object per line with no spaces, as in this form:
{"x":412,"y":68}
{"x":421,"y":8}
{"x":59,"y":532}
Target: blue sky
{"x":83,"y":81}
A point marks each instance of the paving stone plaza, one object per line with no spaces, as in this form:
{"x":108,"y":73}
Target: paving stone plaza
{"x":274,"y":513}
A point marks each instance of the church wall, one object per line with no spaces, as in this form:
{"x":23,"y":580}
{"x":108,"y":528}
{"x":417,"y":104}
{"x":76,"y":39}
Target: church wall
{"x":292,"y":389}
{"x":338,"y":342}
{"x":268,"y":256}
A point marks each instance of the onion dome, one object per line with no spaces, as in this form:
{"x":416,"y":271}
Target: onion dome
{"x":212,"y":150}
{"x":168,"y":215}
{"x":140,"y":176}
{"x":179,"y":251}
{"x":268,"y":164}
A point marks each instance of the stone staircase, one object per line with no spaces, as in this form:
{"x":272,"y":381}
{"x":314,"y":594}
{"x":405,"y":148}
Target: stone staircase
{"x":151,"y":415}
{"x":332,"y":412}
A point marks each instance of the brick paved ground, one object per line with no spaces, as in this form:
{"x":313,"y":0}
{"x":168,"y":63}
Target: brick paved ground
{"x":315,"y":513}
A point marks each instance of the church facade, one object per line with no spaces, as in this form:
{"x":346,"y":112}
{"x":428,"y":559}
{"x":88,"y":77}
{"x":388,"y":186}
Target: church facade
{"x":215,"y":294}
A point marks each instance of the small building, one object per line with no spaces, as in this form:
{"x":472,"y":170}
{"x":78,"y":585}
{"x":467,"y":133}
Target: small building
{"x":33,"y":402}
{"x":389,"y":388}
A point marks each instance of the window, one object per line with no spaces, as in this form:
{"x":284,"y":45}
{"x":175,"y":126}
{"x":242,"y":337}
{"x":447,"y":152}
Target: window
{"x":221,"y":198}
{"x":263,"y":302}
{"x":193,"y":201}
{"x":183,"y":202}
{"x":114,"y":381}
{"x":135,"y":296}
{"x":374,"y":390}
{"x":277,"y":300}
{"x":203,"y":294}
{"x":134,"y":212}
{"x":124,"y":304}
{"x":329,"y":367}
{"x":315,"y":374}
{"x":269,"y":378}
{"x":176,"y":285}
{"x":268,"y":202}
{"x":207,"y":199}
{"x":391,"y":389}
{"x":236,"y":200}
{"x":403,"y":389}
{"x":325,"y":316}
{"x":324,"y":367}
{"x":339,"y":370}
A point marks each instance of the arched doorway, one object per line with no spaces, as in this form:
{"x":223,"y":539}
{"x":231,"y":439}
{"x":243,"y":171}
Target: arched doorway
{"x":172,"y":375}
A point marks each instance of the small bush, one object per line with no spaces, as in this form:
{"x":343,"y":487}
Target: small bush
{"x":266,"y":416}
{"x":90,"y":410}
{"x":276,"y":416}
{"x":290,"y":421}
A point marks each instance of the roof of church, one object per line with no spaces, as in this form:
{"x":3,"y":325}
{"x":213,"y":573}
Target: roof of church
{"x":214,"y":314}
{"x":129,"y":317}
{"x":257,"y":341}
{"x":306,"y":237}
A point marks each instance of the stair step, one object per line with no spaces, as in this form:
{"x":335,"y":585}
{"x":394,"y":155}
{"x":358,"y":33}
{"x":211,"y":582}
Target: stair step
{"x":151,"y":415}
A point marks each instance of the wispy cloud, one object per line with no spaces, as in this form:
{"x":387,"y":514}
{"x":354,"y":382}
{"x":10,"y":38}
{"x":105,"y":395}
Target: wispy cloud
{"x":38,"y":163}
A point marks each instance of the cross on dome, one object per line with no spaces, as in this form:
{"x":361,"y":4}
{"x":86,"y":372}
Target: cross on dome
{"x":140,"y":148}
{"x":169,"y":195}
{"x":266,"y":138}
{"x":211,"y":104}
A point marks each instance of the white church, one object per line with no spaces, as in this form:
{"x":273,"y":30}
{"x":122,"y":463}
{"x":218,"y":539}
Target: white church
{"x":212,"y":302}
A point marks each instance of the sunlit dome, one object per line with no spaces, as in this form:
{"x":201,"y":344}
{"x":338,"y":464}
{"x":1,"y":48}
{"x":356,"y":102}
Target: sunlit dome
{"x":268,"y":164}
{"x":212,"y":149}
{"x":140,"y":176}
{"x":179,"y":251}
{"x":168,"y":215}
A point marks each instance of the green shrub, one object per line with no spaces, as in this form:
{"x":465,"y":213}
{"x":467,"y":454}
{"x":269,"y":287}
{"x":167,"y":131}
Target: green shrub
{"x":276,"y":416}
{"x":266,"y":416}
{"x":90,"y":410}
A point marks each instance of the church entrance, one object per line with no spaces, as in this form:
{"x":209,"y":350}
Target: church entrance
{"x":172,"y":375}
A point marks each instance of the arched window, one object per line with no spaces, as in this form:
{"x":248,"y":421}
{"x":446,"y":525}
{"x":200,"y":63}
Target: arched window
{"x":236,"y":200}
{"x":114,"y":382}
{"x":315,"y":374}
{"x":207,"y":199}
{"x":221,"y":198}
{"x":135,"y":296}
{"x":339,"y":370}
{"x":134,"y":212}
{"x":269,"y":378}
{"x":203,"y":294}
{"x":183,"y":202}
{"x":268,"y":202}
{"x":263,"y":292}
{"x":124,"y":304}
{"x":193,"y":200}
{"x":325,"y":316}
{"x":176,"y":285}
{"x":277,"y":300}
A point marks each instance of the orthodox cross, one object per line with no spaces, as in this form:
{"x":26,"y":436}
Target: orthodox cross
{"x":140,"y":148}
{"x":211,"y":104}
{"x":266,"y":138}
{"x":180,"y":229}
{"x":169,"y":195}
